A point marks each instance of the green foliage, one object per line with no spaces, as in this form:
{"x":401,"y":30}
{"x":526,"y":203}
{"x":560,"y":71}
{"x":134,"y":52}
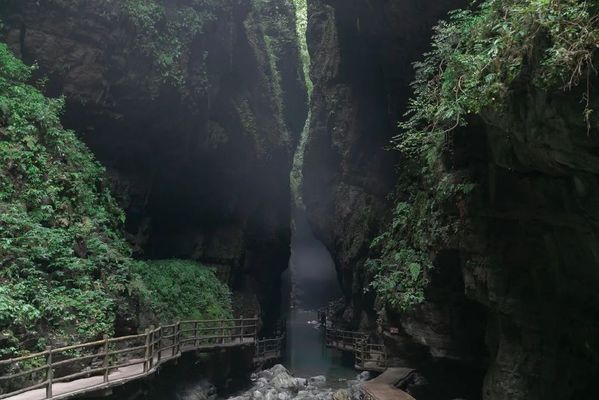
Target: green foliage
{"x":400,"y":272}
{"x":479,"y":54}
{"x":271,"y":30}
{"x":477,"y":57}
{"x":301,"y":17}
{"x":164,"y":33}
{"x":401,"y":279}
{"x":63,"y":262}
{"x":183,"y":289}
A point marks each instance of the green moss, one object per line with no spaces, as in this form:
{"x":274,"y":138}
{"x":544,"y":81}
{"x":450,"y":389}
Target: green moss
{"x":182,"y":289}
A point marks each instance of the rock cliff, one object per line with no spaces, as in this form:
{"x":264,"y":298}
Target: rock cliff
{"x":510,"y":296}
{"x":194,"y":109}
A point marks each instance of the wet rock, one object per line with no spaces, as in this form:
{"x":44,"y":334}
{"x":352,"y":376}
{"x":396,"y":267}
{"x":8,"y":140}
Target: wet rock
{"x":267,"y":375}
{"x":276,"y":370}
{"x":257,"y":395}
{"x":285,"y":381}
{"x":283,"y":386}
{"x":317,"y":380}
{"x":342,"y":394}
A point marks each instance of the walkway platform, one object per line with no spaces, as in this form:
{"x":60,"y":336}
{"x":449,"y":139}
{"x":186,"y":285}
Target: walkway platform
{"x":383,"y":386}
{"x":86,"y":368}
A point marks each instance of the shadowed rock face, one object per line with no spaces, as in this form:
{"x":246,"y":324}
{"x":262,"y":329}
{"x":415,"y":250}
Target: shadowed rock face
{"x":202,"y":170}
{"x":510,"y":309}
{"x":362,"y":53}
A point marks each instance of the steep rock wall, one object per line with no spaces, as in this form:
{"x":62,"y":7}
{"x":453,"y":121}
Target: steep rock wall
{"x":510,"y":301}
{"x":199,"y":152}
{"x":361,"y":67}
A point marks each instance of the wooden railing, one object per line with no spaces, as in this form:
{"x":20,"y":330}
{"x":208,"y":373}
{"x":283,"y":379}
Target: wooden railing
{"x":269,"y":349}
{"x":370,"y":356}
{"x":135,"y":356}
{"x":343,"y":340}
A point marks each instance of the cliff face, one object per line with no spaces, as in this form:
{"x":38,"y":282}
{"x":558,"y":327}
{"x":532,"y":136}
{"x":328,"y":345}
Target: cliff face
{"x":361,"y":67}
{"x":534,"y":266}
{"x":509,"y":305}
{"x":197,"y":136}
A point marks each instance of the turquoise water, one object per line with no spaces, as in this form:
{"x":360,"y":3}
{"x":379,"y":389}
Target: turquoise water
{"x":312,"y":285}
{"x":307,"y":354}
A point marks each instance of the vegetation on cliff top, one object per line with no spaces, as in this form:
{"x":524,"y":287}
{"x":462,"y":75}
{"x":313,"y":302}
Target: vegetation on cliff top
{"x":477,"y":57}
{"x":65,"y":270}
{"x":165,"y":34}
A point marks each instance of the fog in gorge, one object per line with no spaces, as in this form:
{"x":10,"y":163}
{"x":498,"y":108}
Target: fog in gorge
{"x":312,"y":271}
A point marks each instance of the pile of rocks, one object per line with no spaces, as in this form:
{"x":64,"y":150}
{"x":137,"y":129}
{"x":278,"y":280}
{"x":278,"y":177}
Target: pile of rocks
{"x":278,"y":384}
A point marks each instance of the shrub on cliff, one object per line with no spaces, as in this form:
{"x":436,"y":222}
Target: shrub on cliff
{"x":63,"y":262}
{"x":184,"y":289}
{"x":65,"y":270}
{"x":478,"y":56}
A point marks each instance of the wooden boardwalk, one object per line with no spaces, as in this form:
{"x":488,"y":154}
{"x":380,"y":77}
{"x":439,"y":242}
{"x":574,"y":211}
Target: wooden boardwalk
{"x":85,"y":368}
{"x":383,"y":386}
{"x":368,"y":356}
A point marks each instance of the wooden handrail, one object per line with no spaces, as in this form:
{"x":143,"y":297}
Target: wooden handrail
{"x":357,"y":342}
{"x":158,"y":345}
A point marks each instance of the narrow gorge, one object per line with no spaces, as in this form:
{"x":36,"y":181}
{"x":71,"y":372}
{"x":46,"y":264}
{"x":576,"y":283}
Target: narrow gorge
{"x":395,"y":194}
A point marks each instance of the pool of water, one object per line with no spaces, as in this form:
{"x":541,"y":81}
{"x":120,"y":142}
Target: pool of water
{"x":307,"y":354}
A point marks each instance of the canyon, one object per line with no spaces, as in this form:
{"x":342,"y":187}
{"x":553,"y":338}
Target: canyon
{"x":203,"y":153}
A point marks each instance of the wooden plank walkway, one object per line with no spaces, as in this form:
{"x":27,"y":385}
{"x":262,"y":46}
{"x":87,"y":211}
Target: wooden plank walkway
{"x":368,"y":356}
{"x":383,"y":386}
{"x":90,"y":367}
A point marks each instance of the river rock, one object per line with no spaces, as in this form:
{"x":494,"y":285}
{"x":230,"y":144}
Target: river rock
{"x":319,"y":380}
{"x":284,"y":396}
{"x":364,"y":376}
{"x":257,"y":395}
{"x":261,"y":382}
{"x":284,"y":381}
{"x":278,"y":369}
{"x":266,"y":375}
{"x":342,"y":394}
{"x":283,"y":386}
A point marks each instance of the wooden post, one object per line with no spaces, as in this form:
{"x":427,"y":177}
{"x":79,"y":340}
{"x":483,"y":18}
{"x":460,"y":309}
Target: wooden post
{"x":222,"y":337}
{"x":49,"y":374}
{"x":241,"y":329}
{"x":195,"y":335}
{"x":147,"y":353}
{"x":105,"y":363}
{"x":255,"y":327}
{"x":178,"y":338}
{"x":152,"y":344}
{"x":159,"y":345}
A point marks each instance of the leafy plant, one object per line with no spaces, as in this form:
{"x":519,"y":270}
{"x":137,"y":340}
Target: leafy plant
{"x":183,"y":289}
{"x":477,"y":58}
{"x":478,"y":54}
{"x":164,"y":34}
{"x":63,"y":262}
